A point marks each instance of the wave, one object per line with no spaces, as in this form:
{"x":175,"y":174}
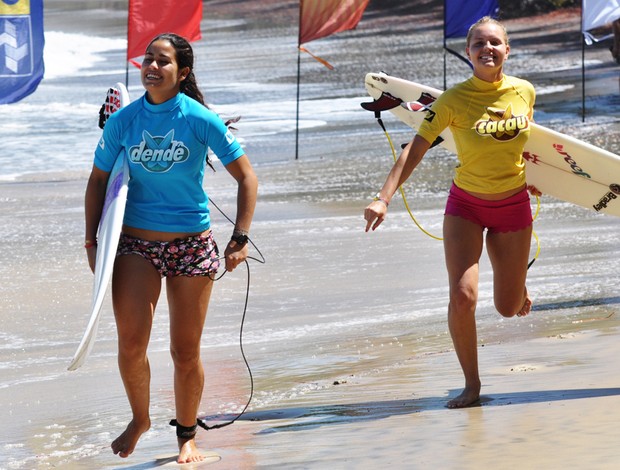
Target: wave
{"x":69,"y":54}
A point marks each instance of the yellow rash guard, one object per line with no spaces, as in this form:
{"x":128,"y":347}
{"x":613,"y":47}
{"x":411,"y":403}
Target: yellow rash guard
{"x":490,"y":123}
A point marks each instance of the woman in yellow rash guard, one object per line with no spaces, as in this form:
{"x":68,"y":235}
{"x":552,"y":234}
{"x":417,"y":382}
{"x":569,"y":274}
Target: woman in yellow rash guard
{"x":489,"y":116}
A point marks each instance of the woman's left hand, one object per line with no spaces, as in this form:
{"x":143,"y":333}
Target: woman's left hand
{"x":235,"y":254}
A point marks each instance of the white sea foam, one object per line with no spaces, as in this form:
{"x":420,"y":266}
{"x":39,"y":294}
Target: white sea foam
{"x":548,"y":90}
{"x":69,"y":54}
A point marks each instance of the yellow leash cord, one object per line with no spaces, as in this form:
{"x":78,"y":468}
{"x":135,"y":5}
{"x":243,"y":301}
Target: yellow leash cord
{"x":402,"y":191}
{"x":534,"y":233}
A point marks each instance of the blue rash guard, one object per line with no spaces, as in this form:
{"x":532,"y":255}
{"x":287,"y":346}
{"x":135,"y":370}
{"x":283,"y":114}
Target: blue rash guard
{"x":166,"y":146}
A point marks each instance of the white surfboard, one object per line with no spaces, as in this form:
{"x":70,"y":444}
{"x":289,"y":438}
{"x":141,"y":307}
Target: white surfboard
{"x":109,"y":229}
{"x":557,"y":164}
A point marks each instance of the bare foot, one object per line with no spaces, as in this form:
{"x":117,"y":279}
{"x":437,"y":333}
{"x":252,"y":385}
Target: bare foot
{"x":188,"y":452}
{"x":527,"y":306}
{"x":468,"y":397}
{"x":124,"y":444}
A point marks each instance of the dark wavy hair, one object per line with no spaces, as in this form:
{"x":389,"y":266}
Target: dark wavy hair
{"x":185,"y":58}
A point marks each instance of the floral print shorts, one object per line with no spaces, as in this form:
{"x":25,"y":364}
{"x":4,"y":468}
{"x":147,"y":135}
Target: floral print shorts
{"x":193,"y":256}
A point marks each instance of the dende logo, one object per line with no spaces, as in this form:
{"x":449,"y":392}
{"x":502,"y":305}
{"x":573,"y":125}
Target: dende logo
{"x":158,"y":154}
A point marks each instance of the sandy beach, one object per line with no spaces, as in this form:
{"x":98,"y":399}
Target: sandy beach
{"x":546,"y":403}
{"x":345,"y":333}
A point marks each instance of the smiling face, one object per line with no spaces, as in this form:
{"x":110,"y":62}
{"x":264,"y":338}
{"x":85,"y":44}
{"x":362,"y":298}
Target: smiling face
{"x":160,"y":73}
{"x":487,"y":48}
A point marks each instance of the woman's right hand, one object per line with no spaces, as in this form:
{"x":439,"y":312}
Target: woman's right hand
{"x":91,"y":253}
{"x":93,"y":206}
{"x":374,"y":214}
{"x":409,"y":158}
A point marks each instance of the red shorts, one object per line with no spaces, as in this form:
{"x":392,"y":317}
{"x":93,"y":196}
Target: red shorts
{"x":506,"y":215}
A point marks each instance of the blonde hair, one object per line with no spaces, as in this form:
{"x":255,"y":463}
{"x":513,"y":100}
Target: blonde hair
{"x":486,"y":20}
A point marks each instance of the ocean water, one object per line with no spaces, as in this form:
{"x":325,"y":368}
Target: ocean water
{"x":330,"y":301}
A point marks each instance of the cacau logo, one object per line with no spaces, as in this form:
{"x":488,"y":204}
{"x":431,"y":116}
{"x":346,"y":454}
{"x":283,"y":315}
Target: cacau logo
{"x":14,"y":7}
{"x":502,"y":124}
{"x":158,"y":154}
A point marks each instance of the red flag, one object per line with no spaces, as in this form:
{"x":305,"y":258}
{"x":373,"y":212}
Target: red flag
{"x":148,"y":18}
{"x":320,"y":18}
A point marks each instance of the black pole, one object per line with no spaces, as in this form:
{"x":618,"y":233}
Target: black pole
{"x":444,"y":64}
{"x":297,"y":114}
{"x":445,"y":44}
{"x":127,"y":52}
{"x":583,"y":80}
{"x":583,"y":70}
{"x":298,"y":80}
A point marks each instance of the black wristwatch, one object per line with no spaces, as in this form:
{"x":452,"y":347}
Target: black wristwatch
{"x":239,"y":238}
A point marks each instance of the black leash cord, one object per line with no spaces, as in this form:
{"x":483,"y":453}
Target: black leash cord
{"x":200,"y":422}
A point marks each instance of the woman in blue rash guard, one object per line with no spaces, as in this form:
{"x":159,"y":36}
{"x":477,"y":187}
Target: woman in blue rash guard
{"x":166,"y":229}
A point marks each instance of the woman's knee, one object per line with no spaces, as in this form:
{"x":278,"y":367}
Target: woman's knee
{"x":185,"y":357}
{"x":508,"y":307}
{"x":132,"y":347}
{"x":463,"y":300}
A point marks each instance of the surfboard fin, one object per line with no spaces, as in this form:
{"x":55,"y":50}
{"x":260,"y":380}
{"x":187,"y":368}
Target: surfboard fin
{"x":384,"y":103}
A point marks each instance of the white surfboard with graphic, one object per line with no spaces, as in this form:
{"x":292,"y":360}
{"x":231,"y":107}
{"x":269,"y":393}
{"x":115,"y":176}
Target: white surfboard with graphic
{"x":557,"y":164}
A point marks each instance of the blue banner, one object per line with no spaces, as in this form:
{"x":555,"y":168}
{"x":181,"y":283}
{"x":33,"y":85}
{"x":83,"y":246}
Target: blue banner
{"x":459,"y":15}
{"x":21,"y":48}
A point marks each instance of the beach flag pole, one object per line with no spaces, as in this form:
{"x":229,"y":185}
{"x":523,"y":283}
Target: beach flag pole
{"x":583,"y":80}
{"x":583,"y":67}
{"x":297,"y":112}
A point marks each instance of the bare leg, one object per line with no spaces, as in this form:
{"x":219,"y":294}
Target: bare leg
{"x":188,"y":298}
{"x":509,"y":254}
{"x":463,"y":246}
{"x":134,"y":306}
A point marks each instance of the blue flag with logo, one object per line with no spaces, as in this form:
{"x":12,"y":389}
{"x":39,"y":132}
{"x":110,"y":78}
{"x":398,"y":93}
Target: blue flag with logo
{"x":459,"y":15}
{"x":21,"y":48}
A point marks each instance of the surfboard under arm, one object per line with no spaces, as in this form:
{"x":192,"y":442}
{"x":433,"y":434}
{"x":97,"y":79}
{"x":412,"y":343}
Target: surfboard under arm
{"x":557,"y":164}
{"x":109,"y":230}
